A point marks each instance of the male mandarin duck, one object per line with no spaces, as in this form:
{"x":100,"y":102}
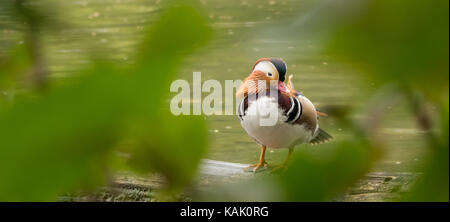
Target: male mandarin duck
{"x":296,"y":117}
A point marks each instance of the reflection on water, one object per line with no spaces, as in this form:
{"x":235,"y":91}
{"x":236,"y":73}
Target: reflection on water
{"x":244,"y":31}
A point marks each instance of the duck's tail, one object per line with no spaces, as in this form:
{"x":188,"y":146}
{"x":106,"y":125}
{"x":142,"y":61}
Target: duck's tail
{"x":322,"y":137}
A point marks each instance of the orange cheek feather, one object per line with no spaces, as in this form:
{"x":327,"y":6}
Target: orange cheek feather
{"x":250,"y":85}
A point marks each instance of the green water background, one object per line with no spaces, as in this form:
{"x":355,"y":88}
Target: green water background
{"x":243,"y":32}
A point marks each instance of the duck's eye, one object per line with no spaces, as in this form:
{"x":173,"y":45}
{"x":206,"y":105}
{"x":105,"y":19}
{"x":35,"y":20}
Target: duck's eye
{"x":269,"y":74}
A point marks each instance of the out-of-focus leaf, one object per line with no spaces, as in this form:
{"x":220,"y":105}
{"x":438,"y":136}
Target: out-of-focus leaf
{"x":401,"y":41}
{"x":59,"y":140}
{"x":179,"y":31}
{"x":406,"y":43}
{"x":434,"y":184}
{"x":18,"y":63}
{"x":172,"y":146}
{"x":168,"y":144}
{"x":309,"y":178}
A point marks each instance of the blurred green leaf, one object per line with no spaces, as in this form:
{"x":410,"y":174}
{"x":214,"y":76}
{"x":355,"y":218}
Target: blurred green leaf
{"x":168,"y":144}
{"x":309,"y":178}
{"x":18,"y":63}
{"x":401,"y":41}
{"x":433,"y":185}
{"x":406,"y":43}
{"x":179,"y":31}
{"x":59,"y":140}
{"x":172,"y":146}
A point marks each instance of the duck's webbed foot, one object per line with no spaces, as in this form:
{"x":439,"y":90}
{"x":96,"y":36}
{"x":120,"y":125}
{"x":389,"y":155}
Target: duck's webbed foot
{"x":257,"y":166}
{"x":262,"y":162}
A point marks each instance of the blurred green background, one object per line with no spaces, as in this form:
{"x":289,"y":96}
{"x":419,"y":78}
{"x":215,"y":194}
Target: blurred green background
{"x":85,"y":91}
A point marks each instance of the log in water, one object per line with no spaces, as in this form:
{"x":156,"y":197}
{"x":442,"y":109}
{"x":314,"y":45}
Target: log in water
{"x":375,"y":186}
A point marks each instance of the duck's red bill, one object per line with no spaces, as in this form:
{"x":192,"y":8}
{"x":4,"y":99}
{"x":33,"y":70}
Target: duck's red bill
{"x":282,"y":86}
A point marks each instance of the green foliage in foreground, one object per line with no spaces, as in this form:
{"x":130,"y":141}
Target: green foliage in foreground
{"x":57,"y":138}
{"x":405,"y":43}
{"x":400,"y":44}
{"x":60,"y":138}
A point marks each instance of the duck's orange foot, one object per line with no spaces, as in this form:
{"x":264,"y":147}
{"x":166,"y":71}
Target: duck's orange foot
{"x":256,"y":166}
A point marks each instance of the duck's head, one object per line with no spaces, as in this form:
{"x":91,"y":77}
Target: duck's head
{"x":266,"y":69}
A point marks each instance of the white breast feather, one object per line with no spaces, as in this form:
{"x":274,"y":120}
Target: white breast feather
{"x":279,"y":135}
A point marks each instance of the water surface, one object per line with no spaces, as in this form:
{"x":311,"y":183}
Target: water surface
{"x":244,"y":31}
